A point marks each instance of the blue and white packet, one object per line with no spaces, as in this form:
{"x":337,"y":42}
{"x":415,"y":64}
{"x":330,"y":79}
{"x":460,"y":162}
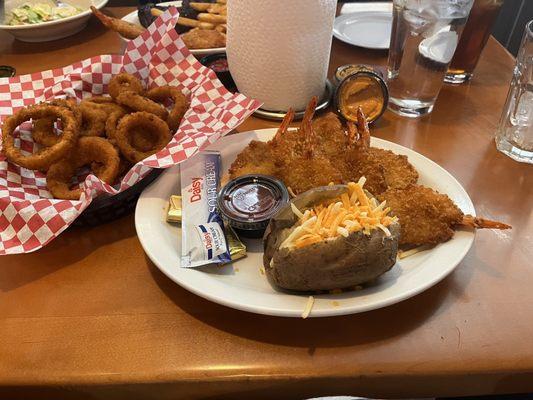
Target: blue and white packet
{"x":203,"y":240}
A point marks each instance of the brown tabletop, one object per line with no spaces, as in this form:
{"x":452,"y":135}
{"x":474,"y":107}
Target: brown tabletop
{"x":91,"y":316}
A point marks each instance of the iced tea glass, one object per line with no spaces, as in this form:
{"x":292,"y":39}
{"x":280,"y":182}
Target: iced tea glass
{"x":424,"y":36}
{"x":514,"y":135}
{"x":474,"y":38}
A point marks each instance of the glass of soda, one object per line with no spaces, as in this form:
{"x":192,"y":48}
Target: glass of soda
{"x":473,"y":40}
{"x":514,"y":135}
{"x":424,"y":37}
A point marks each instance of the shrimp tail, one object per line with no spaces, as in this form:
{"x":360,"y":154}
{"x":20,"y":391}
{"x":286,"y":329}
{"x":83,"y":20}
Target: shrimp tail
{"x":284,"y":125}
{"x":479,"y":223}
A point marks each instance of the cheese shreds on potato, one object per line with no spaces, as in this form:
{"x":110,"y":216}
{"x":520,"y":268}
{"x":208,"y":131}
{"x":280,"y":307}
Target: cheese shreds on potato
{"x":353,"y":211}
{"x":308,"y":307}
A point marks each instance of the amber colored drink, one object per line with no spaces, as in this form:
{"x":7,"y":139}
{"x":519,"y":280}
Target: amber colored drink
{"x":475,"y":35}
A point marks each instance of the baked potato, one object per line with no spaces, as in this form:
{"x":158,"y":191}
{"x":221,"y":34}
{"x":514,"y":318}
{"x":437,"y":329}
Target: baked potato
{"x":342,"y":261}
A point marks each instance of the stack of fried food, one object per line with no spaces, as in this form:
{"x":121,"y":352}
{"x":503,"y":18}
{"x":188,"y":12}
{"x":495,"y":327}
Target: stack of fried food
{"x":323,"y":151}
{"x":202,"y":23}
{"x":106,"y":134}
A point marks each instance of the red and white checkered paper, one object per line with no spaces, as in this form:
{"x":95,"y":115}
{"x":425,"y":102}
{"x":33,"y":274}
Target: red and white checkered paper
{"x":29,"y":216}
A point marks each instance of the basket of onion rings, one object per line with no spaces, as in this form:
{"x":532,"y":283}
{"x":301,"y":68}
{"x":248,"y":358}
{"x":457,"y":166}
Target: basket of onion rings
{"x":102,"y":130}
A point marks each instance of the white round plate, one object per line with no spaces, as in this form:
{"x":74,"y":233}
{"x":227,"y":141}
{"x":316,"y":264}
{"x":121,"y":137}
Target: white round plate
{"x":369,"y":29}
{"x":242,"y":286}
{"x":133,"y":17}
{"x":51,"y":30}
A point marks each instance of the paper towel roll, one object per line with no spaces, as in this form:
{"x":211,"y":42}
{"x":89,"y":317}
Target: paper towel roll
{"x":278,"y":51}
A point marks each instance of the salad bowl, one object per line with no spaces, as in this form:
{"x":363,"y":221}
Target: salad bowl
{"x":48,"y":30}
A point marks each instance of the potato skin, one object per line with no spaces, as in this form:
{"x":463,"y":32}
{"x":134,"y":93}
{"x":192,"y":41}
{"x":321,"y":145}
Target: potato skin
{"x":337,"y":264}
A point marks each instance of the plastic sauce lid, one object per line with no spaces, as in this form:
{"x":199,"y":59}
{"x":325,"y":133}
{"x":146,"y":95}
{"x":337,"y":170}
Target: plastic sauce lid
{"x":249,"y":202}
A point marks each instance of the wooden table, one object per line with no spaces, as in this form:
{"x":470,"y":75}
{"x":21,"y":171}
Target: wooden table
{"x":91,"y":316}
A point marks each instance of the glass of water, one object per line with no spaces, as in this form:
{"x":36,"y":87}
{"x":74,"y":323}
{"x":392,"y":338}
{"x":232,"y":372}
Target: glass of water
{"x":514,"y":135}
{"x":424,"y":36}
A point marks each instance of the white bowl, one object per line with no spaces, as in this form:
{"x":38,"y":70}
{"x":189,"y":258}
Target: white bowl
{"x":51,"y":30}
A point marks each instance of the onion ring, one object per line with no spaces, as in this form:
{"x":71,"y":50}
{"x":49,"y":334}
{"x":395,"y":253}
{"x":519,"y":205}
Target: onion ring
{"x":139,"y":103}
{"x":99,"y":99}
{"x":142,"y":140}
{"x":124,"y":82}
{"x":96,"y":152}
{"x":43,"y":131}
{"x":111,"y":124}
{"x":93,"y":120}
{"x":123,"y":167}
{"x":109,"y":107}
{"x":149,"y":124}
{"x":161,"y":93}
{"x":48,"y":155}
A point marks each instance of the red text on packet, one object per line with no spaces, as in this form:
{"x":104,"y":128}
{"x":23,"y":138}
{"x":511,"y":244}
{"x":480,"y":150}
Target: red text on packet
{"x":196,"y":189}
{"x":208,"y":240}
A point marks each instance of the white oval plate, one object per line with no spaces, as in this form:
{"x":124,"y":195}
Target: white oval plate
{"x":242,"y":286}
{"x":369,"y":29}
{"x":133,"y":17}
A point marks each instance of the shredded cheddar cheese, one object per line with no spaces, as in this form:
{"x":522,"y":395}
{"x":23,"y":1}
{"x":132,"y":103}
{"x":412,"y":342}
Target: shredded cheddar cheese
{"x":351,"y":212}
{"x":308,"y":307}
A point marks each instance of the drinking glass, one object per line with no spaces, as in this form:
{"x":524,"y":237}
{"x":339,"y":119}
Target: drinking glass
{"x":514,"y":135}
{"x":473,"y":40}
{"x":424,"y":36}
{"x":278,"y":51}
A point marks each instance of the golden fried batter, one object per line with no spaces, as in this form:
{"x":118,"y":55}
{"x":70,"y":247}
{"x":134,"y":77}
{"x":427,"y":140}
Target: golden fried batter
{"x":321,"y":151}
{"x":399,"y":173}
{"x":126,"y":29}
{"x":426,"y":216}
{"x":302,"y":173}
{"x":331,"y":138}
{"x":204,"y":39}
{"x":356,"y":164}
{"x":256,"y":158}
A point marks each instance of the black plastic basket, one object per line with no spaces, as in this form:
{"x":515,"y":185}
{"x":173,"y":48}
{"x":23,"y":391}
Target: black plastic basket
{"x":108,"y":208}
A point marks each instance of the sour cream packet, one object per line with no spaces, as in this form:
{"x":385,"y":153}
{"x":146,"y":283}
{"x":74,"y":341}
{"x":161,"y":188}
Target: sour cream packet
{"x":203,"y":240}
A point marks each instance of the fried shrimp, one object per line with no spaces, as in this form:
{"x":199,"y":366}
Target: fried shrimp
{"x":264,"y":158}
{"x":356,"y":164}
{"x":309,"y":169}
{"x":334,"y":149}
{"x":180,"y":103}
{"x":398,"y":172}
{"x":45,"y":157}
{"x":126,"y":29}
{"x":149,"y":125}
{"x":124,"y":82}
{"x":330,"y":134}
{"x":303,"y":174}
{"x":428,"y":217}
{"x":98,"y":153}
{"x":204,"y":39}
{"x":256,"y":158}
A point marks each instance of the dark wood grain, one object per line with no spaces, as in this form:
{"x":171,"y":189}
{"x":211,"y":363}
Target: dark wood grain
{"x":90,"y":316}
